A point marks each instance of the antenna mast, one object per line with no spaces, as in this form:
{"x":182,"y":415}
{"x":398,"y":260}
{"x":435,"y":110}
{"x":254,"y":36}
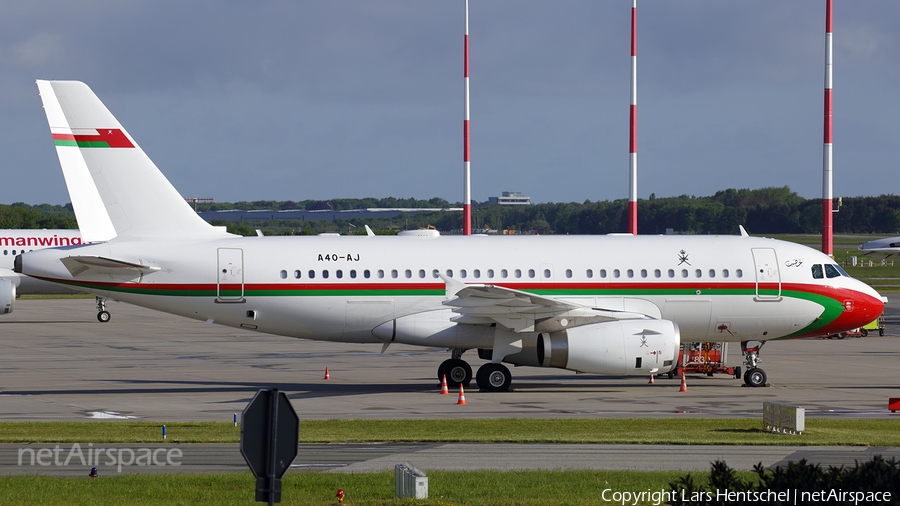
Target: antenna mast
{"x":827,"y":189}
{"x":632,"y":174}
{"x":467,"y":186}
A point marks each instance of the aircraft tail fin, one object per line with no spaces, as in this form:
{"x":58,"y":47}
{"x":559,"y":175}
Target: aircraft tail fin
{"x":116,"y":190}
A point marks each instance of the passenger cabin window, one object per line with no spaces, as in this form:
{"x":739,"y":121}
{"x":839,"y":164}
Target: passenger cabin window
{"x":671,"y":273}
{"x":462,"y":273}
{"x":698,"y":273}
{"x":380,"y":273}
{"x":449,"y":273}
{"x":712,"y":273}
{"x":312,"y":274}
{"x":353,"y":273}
{"x":630,"y":273}
{"x":657,"y":273}
{"x":408,"y":273}
{"x":590,"y":273}
{"x":817,"y":271}
{"x":366,"y":273}
{"x":739,"y":273}
{"x":297,"y":274}
{"x":602,"y":273}
{"x":435,"y":274}
{"x":547,"y":273}
{"x":503,"y":273}
{"x":283,"y":274}
{"x":490,"y":273}
{"x":476,"y":273}
{"x":339,"y":273}
{"x":518,"y":273}
{"x":724,"y":273}
{"x":421,"y":273}
{"x":616,"y":273}
{"x":530,"y":273}
{"x":684,"y":273}
{"x":394,"y":273}
{"x":568,"y":273}
{"x":643,"y":273}
{"x":325,"y":274}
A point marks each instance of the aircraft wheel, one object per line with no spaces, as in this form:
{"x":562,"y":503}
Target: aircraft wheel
{"x":864,"y":332}
{"x":737,"y":372}
{"x":842,"y":335}
{"x":457,"y":371}
{"x":103,"y":316}
{"x":755,"y":378}
{"x":493,"y":377}
{"x":881,"y":332}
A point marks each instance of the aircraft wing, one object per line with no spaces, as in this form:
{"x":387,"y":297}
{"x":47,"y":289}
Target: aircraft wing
{"x":522,"y":311}
{"x":106,"y":268}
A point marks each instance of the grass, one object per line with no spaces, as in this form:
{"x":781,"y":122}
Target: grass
{"x":444,"y":488}
{"x":579,"y":430}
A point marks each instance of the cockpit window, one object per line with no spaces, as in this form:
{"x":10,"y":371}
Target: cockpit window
{"x":832,"y":271}
{"x":817,"y":271}
{"x":841,"y":270}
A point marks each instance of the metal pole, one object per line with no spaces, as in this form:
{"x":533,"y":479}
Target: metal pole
{"x":273,"y":406}
{"x":467,"y":187}
{"x":632,"y":173}
{"x":827,"y":188}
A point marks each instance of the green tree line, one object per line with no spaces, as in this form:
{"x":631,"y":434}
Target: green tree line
{"x":761,"y":211}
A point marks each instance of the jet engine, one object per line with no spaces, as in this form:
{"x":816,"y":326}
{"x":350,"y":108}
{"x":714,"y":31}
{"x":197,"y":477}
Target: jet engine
{"x":7,"y":296}
{"x":618,"y":347}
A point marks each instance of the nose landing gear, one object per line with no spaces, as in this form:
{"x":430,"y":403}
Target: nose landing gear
{"x":754,"y":376}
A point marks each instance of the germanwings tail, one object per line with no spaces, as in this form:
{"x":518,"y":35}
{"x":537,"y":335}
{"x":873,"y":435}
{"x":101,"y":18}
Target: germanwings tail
{"x":116,"y":190}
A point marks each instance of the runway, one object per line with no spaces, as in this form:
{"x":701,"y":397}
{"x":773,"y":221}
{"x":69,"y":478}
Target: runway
{"x":60,"y":363}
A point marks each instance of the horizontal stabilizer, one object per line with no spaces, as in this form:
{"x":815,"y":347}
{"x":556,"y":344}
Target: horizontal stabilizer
{"x":105,"y":268}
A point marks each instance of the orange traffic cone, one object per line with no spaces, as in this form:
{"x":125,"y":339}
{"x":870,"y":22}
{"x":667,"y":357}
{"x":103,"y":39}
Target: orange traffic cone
{"x":683,"y":384}
{"x":327,"y":376}
{"x":651,"y":380}
{"x":444,"y":390}
{"x":462,"y":395}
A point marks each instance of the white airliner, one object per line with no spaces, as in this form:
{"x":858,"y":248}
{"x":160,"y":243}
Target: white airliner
{"x":881,"y":247}
{"x":12,"y":243}
{"x":617,"y":305}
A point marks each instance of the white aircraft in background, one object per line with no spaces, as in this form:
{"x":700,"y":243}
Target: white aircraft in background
{"x":617,"y":305}
{"x":881,"y":247}
{"x":12,"y":243}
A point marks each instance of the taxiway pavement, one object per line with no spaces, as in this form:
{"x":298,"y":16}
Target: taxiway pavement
{"x":60,"y":363}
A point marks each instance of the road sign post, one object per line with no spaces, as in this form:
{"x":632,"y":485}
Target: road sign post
{"x":270,"y":431}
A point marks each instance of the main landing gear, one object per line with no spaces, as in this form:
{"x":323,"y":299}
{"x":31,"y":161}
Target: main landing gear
{"x":490,"y":377}
{"x":102,"y":314}
{"x":754,"y":376}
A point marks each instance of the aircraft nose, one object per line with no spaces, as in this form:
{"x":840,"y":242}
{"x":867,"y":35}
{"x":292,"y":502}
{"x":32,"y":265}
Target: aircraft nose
{"x":862,"y":307}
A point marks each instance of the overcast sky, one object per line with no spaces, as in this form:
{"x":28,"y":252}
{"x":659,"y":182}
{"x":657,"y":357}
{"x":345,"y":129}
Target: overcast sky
{"x":294,"y":100}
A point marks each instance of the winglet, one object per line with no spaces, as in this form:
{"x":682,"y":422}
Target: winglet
{"x":743,"y":232}
{"x":453,"y":286}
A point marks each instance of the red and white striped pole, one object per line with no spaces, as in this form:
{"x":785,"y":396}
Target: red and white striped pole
{"x":827,"y":190}
{"x":467,"y":187}
{"x":632,"y":174}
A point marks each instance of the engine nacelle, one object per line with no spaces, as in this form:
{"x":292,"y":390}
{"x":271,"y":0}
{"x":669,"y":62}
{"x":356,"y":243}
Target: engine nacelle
{"x":7,"y":296}
{"x":620,"y":347}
